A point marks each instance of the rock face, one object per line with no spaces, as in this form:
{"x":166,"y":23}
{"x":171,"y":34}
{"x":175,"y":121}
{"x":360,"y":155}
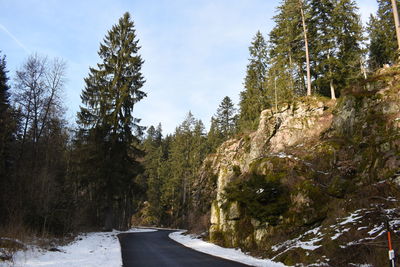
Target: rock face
{"x":271,"y":190}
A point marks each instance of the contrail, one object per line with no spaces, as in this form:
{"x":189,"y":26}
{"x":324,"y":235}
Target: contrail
{"x":14,"y":38}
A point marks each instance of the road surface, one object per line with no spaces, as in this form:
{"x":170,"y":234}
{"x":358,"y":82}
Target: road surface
{"x":156,"y":249}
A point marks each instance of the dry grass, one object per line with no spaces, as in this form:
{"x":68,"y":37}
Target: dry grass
{"x":13,"y":237}
{"x":16,"y":237}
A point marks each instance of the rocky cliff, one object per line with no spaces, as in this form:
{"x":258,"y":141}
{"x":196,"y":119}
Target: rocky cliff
{"x":317,"y":183}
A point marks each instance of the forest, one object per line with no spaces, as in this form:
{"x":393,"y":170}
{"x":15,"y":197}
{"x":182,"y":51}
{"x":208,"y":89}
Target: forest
{"x":111,"y":172}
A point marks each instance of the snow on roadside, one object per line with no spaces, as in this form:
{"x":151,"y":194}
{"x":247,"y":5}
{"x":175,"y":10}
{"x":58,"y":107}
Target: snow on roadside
{"x":89,"y":250}
{"x":226,"y":253}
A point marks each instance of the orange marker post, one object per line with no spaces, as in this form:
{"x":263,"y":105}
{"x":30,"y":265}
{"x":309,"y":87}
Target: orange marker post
{"x":391,"y":251}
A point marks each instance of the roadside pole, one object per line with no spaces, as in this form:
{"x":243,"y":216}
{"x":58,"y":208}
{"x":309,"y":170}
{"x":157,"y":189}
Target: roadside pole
{"x":391,"y":251}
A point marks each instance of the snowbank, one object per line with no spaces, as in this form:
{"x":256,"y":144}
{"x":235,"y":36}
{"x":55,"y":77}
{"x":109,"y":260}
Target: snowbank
{"x":226,"y":253}
{"x":88,"y":250}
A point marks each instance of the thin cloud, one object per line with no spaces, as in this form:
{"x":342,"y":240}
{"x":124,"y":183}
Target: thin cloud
{"x":14,"y":38}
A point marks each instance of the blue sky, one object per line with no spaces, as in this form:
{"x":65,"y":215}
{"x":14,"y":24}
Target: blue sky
{"x":195,"y":51}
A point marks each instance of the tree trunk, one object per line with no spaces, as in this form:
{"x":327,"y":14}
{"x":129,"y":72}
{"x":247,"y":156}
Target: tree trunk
{"x":363,"y":69}
{"x":276,"y":96}
{"x":396,"y":21}
{"x":108,"y":218}
{"x":333,"y":95}
{"x":306,"y":46}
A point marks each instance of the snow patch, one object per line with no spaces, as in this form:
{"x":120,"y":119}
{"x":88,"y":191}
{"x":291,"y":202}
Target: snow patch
{"x":89,"y":250}
{"x":376,"y":229}
{"x":283,"y":155}
{"x":298,"y":243}
{"x":353,"y":218}
{"x":226,"y":253}
{"x":336,"y":236}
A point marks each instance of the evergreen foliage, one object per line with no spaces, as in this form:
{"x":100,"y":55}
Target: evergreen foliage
{"x":5,"y":109}
{"x":349,"y":39}
{"x":6,"y":134}
{"x":382,"y":36}
{"x":254,"y":97}
{"x":187,"y":151}
{"x":110,"y":130}
{"x":225,"y":118}
{"x":214,"y":136}
{"x":153,"y":162}
{"x":336,"y":36}
{"x":286,"y":53}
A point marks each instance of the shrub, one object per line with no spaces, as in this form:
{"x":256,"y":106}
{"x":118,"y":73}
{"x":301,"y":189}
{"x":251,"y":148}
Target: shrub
{"x":263,"y":197}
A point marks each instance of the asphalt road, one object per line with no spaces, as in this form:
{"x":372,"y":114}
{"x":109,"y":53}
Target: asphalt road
{"x":158,"y":250}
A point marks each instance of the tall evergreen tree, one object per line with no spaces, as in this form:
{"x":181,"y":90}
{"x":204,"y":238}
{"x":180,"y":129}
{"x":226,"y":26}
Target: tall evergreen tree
{"x":287,"y":56}
{"x":153,"y":162}
{"x":226,"y":118}
{"x":322,"y":51}
{"x":383,"y":47}
{"x":304,"y":23}
{"x":4,"y":116}
{"x":254,"y":97}
{"x":111,"y":92}
{"x":348,"y":39}
{"x":4,"y":87}
{"x":336,"y":34}
{"x":186,"y":152}
{"x":6,"y":134}
{"x":214,"y":136}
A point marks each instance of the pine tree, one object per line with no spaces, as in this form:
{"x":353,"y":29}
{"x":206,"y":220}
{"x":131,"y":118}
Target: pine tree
{"x":336,"y":33}
{"x":214,"y":136}
{"x":383,"y":47}
{"x":6,"y":135}
{"x":187,"y":149}
{"x":323,"y":48}
{"x":4,"y":116}
{"x":153,"y":162}
{"x":254,"y":97}
{"x":348,"y":39}
{"x":286,"y":52}
{"x":4,"y":87}
{"x":111,"y":92}
{"x":226,"y":118}
{"x":304,"y":23}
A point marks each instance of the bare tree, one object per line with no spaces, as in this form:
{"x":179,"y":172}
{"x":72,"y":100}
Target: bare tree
{"x":38,"y":87}
{"x":39,"y":84}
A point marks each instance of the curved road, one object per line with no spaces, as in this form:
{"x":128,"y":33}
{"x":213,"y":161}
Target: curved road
{"x":158,"y":250}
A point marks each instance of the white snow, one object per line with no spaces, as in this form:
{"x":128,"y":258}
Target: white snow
{"x":298,"y":243}
{"x":226,"y":253}
{"x":259,"y":191}
{"x":283,"y":155}
{"x":88,"y":250}
{"x":394,"y":223}
{"x":352,"y":218}
{"x":338,"y":234}
{"x":376,"y":229}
